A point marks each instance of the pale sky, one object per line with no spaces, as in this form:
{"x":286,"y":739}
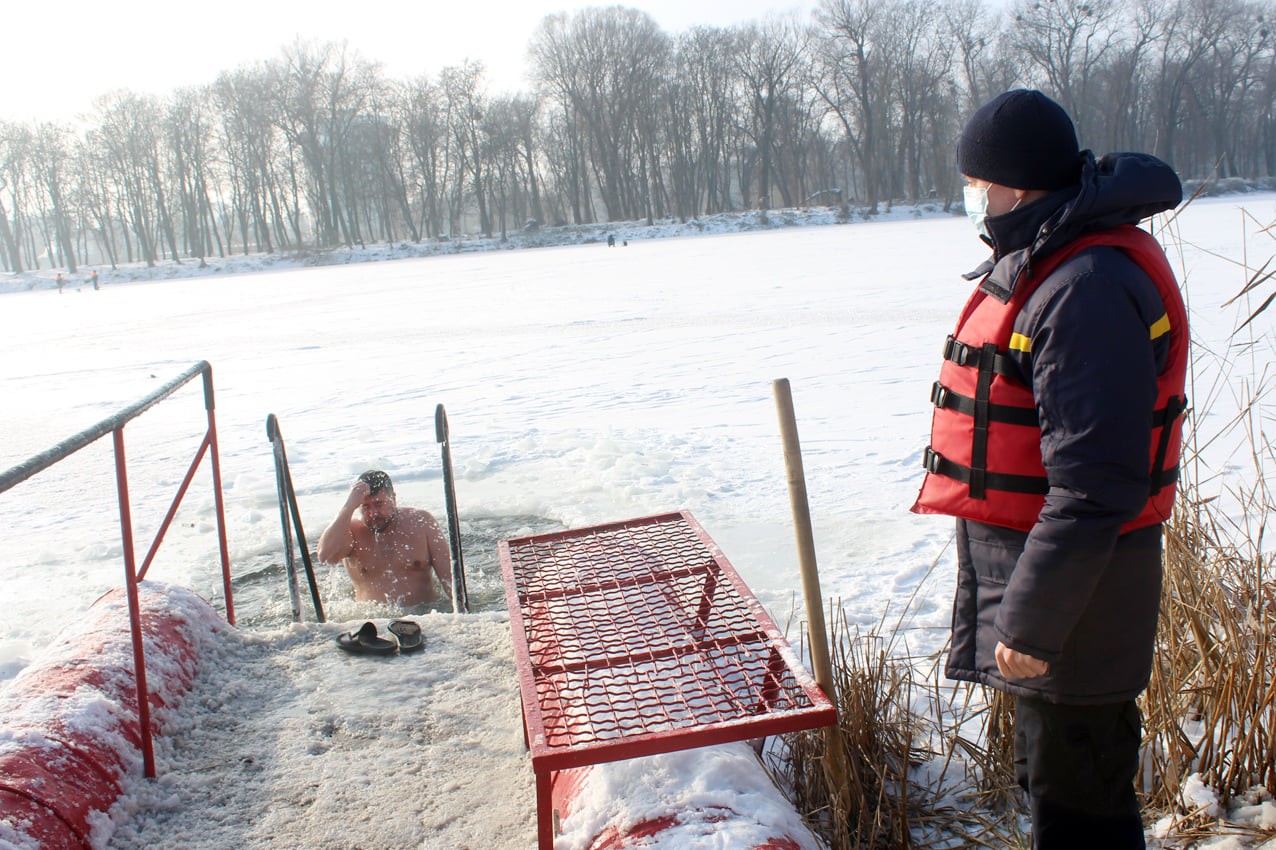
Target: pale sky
{"x":60,"y":55}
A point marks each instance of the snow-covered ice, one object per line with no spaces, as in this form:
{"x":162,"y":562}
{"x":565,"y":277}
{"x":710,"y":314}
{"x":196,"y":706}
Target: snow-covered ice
{"x":583,"y":384}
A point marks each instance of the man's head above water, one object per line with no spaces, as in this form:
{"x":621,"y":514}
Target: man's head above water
{"x":393,"y":554}
{"x":378,"y":507}
{"x":377,"y":481}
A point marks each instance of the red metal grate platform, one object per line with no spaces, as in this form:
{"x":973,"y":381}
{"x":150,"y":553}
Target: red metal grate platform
{"x":639,"y":637}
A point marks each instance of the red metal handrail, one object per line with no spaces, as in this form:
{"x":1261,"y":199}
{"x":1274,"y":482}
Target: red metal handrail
{"x":114,"y":425}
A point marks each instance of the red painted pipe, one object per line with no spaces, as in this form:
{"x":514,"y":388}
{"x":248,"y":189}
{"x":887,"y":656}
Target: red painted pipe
{"x":70,"y":743}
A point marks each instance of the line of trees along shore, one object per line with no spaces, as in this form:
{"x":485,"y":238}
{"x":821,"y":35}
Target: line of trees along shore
{"x":859,"y":104}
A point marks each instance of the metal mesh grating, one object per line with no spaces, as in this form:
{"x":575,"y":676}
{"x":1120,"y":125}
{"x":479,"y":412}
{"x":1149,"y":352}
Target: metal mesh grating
{"x":643,"y":629}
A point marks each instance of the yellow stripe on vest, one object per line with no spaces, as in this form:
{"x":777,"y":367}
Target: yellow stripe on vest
{"x":1019,"y":342}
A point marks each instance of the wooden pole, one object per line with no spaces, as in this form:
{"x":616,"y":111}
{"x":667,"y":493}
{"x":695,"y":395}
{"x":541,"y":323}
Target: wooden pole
{"x":816,"y":628}
{"x":836,"y":770}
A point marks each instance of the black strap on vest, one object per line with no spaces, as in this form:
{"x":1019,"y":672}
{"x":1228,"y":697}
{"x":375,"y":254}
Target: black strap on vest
{"x":1174,"y":408}
{"x":979,"y":447}
{"x":967,"y":355}
{"x":1007,"y":482}
{"x":934,"y":462}
{"x":942,"y":397}
{"x":947,"y":399}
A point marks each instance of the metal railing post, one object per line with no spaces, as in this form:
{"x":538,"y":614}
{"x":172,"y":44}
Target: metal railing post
{"x":288,"y":508}
{"x":134,"y":607}
{"x":114,"y":425}
{"x":215,"y":460}
{"x":442,"y":435}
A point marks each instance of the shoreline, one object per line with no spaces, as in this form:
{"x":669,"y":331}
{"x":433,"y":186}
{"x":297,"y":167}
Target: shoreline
{"x":530,"y":237}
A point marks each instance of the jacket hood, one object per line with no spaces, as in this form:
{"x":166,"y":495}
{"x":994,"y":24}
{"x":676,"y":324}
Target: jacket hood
{"x":1119,"y":188}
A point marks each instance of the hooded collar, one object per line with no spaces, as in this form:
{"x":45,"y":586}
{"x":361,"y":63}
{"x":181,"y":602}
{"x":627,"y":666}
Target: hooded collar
{"x":1120,"y":188}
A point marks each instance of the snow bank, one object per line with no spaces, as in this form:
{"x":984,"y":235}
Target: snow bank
{"x":700,"y":799}
{"x":71,"y":740}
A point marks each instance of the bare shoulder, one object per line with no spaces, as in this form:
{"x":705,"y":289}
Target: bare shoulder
{"x":417,"y":518}
{"x":359,"y":529}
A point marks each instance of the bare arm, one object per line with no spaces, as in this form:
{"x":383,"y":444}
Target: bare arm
{"x":337,"y":540}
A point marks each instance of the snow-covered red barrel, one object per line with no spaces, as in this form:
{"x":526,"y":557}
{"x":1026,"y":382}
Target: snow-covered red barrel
{"x":70,"y":739}
{"x":708,"y":797}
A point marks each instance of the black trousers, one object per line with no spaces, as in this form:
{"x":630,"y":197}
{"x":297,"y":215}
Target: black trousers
{"x":1077,"y":763}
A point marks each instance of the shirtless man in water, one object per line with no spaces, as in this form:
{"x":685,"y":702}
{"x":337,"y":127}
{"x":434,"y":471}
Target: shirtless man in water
{"x":393,"y":554}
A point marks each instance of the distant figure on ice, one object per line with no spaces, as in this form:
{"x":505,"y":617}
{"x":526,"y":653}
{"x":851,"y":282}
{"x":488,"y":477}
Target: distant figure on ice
{"x":393,"y":554}
{"x":611,"y":240}
{"x":60,"y":282}
{"x":93,"y":277}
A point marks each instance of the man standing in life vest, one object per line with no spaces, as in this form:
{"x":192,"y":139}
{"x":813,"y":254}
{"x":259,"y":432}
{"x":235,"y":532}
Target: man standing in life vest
{"x":1055,"y":444}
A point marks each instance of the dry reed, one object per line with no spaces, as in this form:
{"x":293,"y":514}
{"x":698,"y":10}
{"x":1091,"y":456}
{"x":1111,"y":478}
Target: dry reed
{"x":1210,"y":708}
{"x":877,"y":735}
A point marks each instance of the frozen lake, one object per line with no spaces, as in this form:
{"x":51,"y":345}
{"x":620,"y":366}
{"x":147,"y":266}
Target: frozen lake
{"x":583,"y":385}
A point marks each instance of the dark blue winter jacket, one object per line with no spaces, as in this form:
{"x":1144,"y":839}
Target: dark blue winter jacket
{"x":1074,"y":591}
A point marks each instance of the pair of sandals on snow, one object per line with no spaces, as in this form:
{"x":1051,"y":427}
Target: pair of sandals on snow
{"x":365,"y":640}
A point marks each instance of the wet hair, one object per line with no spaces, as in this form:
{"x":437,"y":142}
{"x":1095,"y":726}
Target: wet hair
{"x":377,"y":481}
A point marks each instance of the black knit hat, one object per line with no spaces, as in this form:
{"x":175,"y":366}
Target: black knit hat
{"x":1021,"y":139}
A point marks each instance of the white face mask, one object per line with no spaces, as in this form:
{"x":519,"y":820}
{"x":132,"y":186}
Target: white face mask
{"x":976,"y":201}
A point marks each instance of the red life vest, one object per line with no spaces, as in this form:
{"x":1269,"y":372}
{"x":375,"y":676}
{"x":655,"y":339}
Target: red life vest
{"x":984,"y":461}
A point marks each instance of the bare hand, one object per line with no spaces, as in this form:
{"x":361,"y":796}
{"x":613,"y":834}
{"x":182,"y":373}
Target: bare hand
{"x":1014,"y":664}
{"x":358,"y":493}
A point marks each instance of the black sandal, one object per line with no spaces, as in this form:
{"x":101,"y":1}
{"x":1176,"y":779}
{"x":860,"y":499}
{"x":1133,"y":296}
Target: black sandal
{"x":366,"y":642}
{"x":409,"y":635}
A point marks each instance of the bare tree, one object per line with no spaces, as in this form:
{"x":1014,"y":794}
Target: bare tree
{"x":501,"y":151}
{"x":526,"y":111}
{"x":129,"y":125}
{"x":51,"y":160}
{"x":98,"y":195}
{"x":1126,"y":82}
{"x":604,"y":66}
{"x":770,"y":59}
{"x":627,"y":122}
{"x":853,"y":78}
{"x":189,"y":128}
{"x":566,"y":159}
{"x":1229,"y":86}
{"x":922,"y":63}
{"x":423,"y":122}
{"x":259,"y":206}
{"x":15,"y":145}
{"x":974,"y":31}
{"x":394,"y":165}
{"x":1066,"y":42}
{"x":1183,"y":31}
{"x":510,"y":151}
{"x":465,"y":96}
{"x":702,"y":108}
{"x":320,"y":93}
